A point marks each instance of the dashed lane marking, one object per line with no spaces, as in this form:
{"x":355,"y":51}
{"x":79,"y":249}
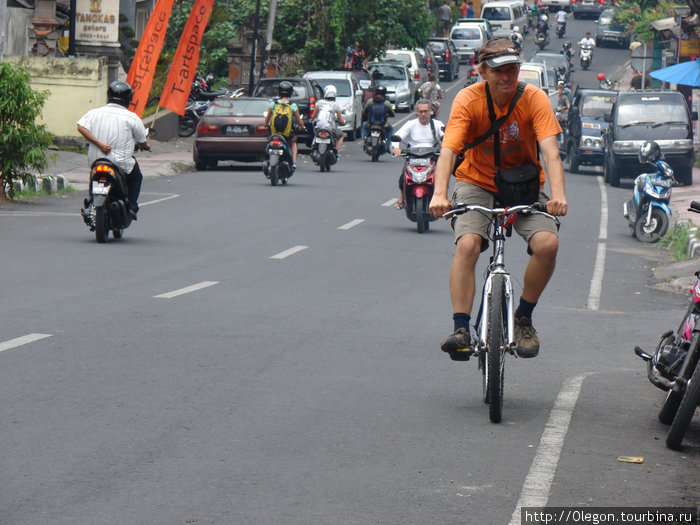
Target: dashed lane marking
{"x":24,"y":340}
{"x":287,"y":253}
{"x":351,"y":224}
{"x":188,"y":289}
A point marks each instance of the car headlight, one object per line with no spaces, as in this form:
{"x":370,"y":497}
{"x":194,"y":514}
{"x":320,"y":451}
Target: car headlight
{"x":663,"y":189}
{"x":675,"y":144}
{"x":591,"y":142}
{"x":627,"y":146}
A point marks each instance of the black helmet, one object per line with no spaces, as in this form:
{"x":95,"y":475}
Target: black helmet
{"x":286,"y":89}
{"x":649,"y":152}
{"x":381,"y":91}
{"x":120,"y":93}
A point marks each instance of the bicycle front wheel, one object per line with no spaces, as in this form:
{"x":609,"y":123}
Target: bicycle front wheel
{"x":495,"y":348}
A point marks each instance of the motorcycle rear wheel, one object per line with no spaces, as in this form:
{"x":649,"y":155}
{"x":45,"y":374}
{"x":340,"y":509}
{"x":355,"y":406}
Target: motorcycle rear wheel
{"x":273,"y":175}
{"x":101,"y":224}
{"x":186,"y":126}
{"x":685,"y":413}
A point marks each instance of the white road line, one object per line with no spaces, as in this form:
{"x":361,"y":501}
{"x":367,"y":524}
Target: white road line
{"x":287,"y":253}
{"x":351,"y":224}
{"x":596,"y":288}
{"x":538,"y":483}
{"x":167,"y":197}
{"x":188,"y":289}
{"x":19,"y":341}
{"x":388,"y":203}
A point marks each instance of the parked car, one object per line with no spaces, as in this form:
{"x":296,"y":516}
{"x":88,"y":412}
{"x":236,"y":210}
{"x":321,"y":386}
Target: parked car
{"x":607,"y":32}
{"x":446,"y":56}
{"x":484,"y":23}
{"x":648,"y":114}
{"x":583,"y":135}
{"x":582,"y":8}
{"x":231,"y":129}
{"x":467,"y":40}
{"x":306,"y":93}
{"x":541,"y":77}
{"x":555,"y":60}
{"x":411,"y":59}
{"x":349,"y":97}
{"x":365,"y":81}
{"x":400,"y":88}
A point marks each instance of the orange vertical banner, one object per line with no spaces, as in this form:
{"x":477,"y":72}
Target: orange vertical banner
{"x":143,"y":67}
{"x":184,"y":66}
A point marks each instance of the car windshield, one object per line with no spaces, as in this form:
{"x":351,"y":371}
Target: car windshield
{"x":596,"y":106}
{"x":469,"y":33}
{"x":388,"y":73}
{"x":651,"y":109}
{"x":437,"y":47}
{"x":237,"y":107}
{"x":552,"y":60}
{"x":496,"y":13}
{"x":342,"y":86}
{"x":530,"y":77}
{"x":401,"y":58}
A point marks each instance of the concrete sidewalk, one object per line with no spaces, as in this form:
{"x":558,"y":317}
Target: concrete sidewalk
{"x":165,"y":158}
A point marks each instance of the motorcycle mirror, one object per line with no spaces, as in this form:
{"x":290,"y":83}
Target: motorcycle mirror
{"x":395,"y":138}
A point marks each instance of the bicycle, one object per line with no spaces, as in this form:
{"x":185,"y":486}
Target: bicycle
{"x":495,"y":322}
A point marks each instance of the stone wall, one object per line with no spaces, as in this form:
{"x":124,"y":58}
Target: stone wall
{"x":76,"y":85}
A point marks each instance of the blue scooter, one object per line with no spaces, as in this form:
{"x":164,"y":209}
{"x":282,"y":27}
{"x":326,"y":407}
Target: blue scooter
{"x":648,"y":211}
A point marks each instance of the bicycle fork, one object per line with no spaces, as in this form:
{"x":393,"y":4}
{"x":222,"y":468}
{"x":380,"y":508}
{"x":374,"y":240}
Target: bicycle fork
{"x":483,"y":318}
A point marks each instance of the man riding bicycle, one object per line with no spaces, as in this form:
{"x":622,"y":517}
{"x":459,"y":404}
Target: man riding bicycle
{"x":529,"y":123}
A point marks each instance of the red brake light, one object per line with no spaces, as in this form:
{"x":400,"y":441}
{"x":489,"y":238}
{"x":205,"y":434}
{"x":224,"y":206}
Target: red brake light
{"x":447,"y":55}
{"x":277,"y":143}
{"x":417,"y":76}
{"x":312,"y":104}
{"x":104,"y":168}
{"x":261,"y":129}
{"x":204,"y":129}
{"x":323,"y":134}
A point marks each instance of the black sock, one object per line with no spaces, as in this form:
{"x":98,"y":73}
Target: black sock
{"x":461,"y":321}
{"x":524,"y":309}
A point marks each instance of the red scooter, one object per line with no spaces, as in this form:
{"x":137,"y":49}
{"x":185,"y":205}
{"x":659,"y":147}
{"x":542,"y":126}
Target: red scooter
{"x":418,"y":182}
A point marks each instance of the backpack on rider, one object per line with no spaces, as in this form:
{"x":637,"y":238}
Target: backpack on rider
{"x":377,"y":112}
{"x":282,"y":118}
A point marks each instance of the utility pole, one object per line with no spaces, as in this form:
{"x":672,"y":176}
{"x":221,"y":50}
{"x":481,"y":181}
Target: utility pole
{"x":3,"y":23}
{"x":71,"y":29}
{"x":268,"y":36}
{"x":254,"y":47}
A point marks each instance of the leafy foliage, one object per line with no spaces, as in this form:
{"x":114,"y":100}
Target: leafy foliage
{"x":22,"y":140}
{"x":640,"y":13}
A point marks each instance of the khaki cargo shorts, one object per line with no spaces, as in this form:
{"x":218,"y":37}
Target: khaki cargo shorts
{"x":475,"y":222}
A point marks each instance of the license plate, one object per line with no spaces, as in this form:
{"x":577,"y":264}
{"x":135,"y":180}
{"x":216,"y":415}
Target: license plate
{"x":100,"y":188}
{"x":277,"y":152}
{"x":237,"y":130}
{"x":323,"y":141}
{"x":419,"y":162}
{"x":375,"y":133}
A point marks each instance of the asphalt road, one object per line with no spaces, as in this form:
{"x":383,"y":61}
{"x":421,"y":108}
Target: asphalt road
{"x":259,"y":355}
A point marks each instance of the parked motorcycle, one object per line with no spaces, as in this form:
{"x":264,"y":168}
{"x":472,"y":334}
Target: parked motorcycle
{"x":277,"y":165}
{"x":418,"y":183}
{"x":107,"y":206}
{"x":323,"y":151}
{"x":187,"y":124}
{"x":648,"y":211}
{"x":375,"y":143}
{"x":675,"y":367}
{"x":585,"y":56}
{"x":561,"y":29}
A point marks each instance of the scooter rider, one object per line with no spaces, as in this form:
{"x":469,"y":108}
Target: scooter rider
{"x":328,"y":114}
{"x":566,"y":51}
{"x":377,"y":108}
{"x":561,"y":17}
{"x":113,"y":133}
{"x":423,"y":131}
{"x":285,"y":91}
{"x":517,"y":38}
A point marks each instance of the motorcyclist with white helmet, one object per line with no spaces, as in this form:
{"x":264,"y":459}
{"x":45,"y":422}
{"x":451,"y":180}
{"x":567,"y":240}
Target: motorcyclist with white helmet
{"x":328,"y":114}
{"x":517,"y":38}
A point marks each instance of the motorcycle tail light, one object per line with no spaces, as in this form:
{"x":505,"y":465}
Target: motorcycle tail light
{"x":323,"y":134}
{"x":104,"y":168}
{"x":276,"y":143}
{"x":417,"y":75}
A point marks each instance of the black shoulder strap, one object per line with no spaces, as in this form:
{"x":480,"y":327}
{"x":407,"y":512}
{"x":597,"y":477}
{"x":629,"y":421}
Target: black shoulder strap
{"x":496,"y":123}
{"x":432,"y":130}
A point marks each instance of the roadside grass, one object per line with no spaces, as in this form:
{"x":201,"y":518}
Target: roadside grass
{"x":676,"y":240}
{"x":29,"y":193}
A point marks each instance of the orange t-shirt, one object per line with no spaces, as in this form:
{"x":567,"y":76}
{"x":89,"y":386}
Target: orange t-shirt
{"x":532,"y":117}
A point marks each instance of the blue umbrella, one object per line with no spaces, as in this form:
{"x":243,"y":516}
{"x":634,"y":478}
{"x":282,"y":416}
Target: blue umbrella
{"x":685,"y":73}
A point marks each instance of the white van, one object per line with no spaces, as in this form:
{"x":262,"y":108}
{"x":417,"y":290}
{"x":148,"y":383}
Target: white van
{"x":504,"y":15}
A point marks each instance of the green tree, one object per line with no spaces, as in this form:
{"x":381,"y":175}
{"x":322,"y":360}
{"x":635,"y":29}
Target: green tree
{"x":22,"y":141}
{"x":639,"y":14}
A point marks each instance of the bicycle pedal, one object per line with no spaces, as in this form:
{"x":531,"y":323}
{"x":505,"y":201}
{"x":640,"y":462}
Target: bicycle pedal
{"x":461,"y":355}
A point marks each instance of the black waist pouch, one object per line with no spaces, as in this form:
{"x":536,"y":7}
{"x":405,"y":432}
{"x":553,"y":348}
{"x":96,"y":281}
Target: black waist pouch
{"x":519,"y":185}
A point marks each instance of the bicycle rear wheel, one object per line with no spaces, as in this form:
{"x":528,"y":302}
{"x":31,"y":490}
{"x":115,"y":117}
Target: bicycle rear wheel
{"x":495,"y":348}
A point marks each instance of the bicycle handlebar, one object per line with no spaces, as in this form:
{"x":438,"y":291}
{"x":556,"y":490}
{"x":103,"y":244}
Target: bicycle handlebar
{"x":540,"y":208}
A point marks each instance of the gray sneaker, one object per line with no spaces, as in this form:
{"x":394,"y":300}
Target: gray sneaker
{"x":526,"y":338}
{"x":458,"y":345}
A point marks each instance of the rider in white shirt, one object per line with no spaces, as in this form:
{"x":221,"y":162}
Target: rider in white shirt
{"x":587,"y":41}
{"x":562,"y":16}
{"x":423,"y":131}
{"x":327,"y":113}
